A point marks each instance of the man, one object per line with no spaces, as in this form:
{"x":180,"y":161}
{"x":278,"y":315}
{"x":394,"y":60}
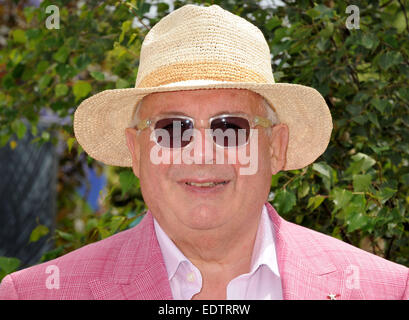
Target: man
{"x":204,"y":129}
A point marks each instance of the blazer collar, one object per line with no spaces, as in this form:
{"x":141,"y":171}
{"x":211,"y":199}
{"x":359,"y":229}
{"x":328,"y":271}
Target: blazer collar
{"x":305,"y":264}
{"x":140,"y":272}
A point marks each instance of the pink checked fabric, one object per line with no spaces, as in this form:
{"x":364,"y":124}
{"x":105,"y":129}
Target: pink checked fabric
{"x":129,"y":265}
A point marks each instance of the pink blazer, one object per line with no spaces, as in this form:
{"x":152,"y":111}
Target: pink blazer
{"x":129,"y":265}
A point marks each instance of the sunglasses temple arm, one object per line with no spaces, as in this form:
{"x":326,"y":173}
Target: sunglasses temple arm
{"x":264,"y":122}
{"x":143,"y":124}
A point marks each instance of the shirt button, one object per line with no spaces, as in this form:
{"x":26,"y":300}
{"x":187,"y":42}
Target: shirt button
{"x":191,"y":277}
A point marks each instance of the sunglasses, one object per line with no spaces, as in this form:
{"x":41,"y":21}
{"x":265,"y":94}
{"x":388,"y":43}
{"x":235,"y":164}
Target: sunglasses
{"x":227,"y":130}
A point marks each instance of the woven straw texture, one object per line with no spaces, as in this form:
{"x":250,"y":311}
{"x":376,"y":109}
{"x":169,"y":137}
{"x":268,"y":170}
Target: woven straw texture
{"x":198,"y":47}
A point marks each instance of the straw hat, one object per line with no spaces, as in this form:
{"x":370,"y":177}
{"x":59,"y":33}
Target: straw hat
{"x":198,"y":47}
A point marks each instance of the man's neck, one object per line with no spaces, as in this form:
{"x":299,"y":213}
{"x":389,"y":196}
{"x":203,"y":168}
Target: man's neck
{"x":220,"y":255}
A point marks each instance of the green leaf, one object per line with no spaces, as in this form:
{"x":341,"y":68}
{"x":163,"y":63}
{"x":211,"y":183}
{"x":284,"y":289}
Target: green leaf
{"x":116,"y":223}
{"x":38,"y":232}
{"x":44,"y":81}
{"x":369,"y":41}
{"x":275,"y":178}
{"x":62,"y":54}
{"x":324,"y":10}
{"x":8,"y":265}
{"x":322,"y":168}
{"x":374,"y":119}
{"x":127,"y":180}
{"x":34,"y":129}
{"x":52,"y":254}
{"x":98,"y":75}
{"x":362,"y":182}
{"x":61,"y":89}
{"x":126,"y":26}
{"x":70,"y":142}
{"x":384,"y":194}
{"x":42,"y":67}
{"x":327,"y":31}
{"x":104,"y":232}
{"x":405,"y":179}
{"x":389,"y":59}
{"x":121,"y":83}
{"x":272,"y":23}
{"x":356,"y":220}
{"x":19,"y":128}
{"x":325,"y":172}
{"x":82,"y":61}
{"x":380,"y":104}
{"x":361,"y":119}
{"x":361,"y":162}
{"x":284,"y":201}
{"x":354,"y":109}
{"x":404,"y":93}
{"x":19,"y":36}
{"x":354,"y":212}
{"x":4,"y":139}
{"x":303,"y":190}
{"x":81,"y":89}
{"x":368,"y":162}
{"x":65,"y":235}
{"x":299,"y":218}
{"x":45,"y":135}
{"x":315,"y":202}
{"x":91,"y":224}
{"x":341,"y":198}
{"x":313,"y":13}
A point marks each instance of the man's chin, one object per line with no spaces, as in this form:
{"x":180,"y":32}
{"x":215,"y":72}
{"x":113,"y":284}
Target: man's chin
{"x":204,"y":218}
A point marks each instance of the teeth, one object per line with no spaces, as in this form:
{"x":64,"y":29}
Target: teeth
{"x":205,"y":184}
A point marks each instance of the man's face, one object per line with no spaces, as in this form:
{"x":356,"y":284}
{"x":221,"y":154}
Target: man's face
{"x":181,"y":207}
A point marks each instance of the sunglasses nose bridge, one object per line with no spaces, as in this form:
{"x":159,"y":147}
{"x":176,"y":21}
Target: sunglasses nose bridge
{"x":201,"y":124}
{"x":202,"y":127}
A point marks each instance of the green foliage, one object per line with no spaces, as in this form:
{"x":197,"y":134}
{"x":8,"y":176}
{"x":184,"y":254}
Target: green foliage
{"x":8,"y":265}
{"x":38,"y":232}
{"x":357,"y":191}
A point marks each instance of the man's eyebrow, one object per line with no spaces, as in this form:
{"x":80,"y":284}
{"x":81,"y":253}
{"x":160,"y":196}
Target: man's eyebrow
{"x":177,"y":113}
{"x":228,"y":112}
{"x":180,"y":113}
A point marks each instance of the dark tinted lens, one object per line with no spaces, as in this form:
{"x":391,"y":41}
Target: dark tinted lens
{"x":230,"y":131}
{"x":177,"y":132}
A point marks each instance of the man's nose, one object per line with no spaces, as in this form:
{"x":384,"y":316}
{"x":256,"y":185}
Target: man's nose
{"x":204,"y":148}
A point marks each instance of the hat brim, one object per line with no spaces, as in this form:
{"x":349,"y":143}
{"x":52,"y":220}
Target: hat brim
{"x":100,"y":120}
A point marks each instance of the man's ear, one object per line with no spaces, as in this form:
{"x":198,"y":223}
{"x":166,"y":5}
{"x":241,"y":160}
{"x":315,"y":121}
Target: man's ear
{"x":278,"y":147}
{"x":132,"y":141}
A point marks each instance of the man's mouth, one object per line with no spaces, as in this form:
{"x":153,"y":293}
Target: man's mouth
{"x":205,"y":184}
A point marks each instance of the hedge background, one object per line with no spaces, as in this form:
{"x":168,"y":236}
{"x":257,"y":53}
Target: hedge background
{"x":357,"y":191}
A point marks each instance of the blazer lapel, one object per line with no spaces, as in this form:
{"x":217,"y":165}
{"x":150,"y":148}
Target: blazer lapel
{"x":306,"y":271}
{"x":140,"y":272}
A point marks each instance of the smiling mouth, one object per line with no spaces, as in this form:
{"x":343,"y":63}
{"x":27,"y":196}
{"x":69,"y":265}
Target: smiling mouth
{"x":205,"y":184}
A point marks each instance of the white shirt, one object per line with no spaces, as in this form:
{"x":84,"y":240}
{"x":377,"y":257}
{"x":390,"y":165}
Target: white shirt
{"x":263,"y":282}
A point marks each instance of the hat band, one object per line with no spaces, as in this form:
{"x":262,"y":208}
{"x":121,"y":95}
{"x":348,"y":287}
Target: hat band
{"x":209,"y":70}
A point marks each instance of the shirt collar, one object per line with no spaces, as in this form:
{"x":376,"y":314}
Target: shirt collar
{"x":264,"y":252}
{"x":172,"y":256}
